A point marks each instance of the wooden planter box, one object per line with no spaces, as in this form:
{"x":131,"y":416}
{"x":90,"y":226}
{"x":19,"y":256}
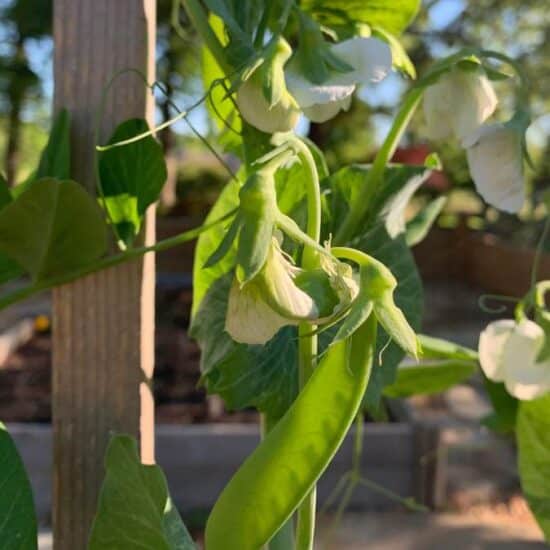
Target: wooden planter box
{"x":403,"y":457}
{"x":478,"y":259}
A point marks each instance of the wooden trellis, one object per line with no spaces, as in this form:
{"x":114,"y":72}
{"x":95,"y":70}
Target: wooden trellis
{"x":103,"y":324}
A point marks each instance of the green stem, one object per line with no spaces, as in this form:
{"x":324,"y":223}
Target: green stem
{"x":105,"y":263}
{"x":199,"y":19}
{"x":375,"y":177}
{"x":307,"y":343}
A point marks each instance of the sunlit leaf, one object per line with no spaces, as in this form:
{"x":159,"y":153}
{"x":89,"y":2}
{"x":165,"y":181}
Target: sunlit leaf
{"x":132,"y":177}
{"x":533,"y":438}
{"x":429,"y":378}
{"x":391,"y":16}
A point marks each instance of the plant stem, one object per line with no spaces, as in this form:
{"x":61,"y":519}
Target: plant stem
{"x":105,"y":263}
{"x":307,"y":343}
{"x":375,"y":177}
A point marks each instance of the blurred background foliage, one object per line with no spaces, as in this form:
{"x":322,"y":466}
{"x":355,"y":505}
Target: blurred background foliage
{"x":520,"y":29}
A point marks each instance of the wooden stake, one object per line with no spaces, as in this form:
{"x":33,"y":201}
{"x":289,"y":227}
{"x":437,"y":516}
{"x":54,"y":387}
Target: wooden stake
{"x":103,"y":325}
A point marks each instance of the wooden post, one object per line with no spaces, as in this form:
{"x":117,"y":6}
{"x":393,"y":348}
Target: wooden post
{"x":103,"y":325}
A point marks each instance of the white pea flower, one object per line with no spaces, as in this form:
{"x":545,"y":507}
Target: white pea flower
{"x":371,"y":60}
{"x":259,"y":308}
{"x":278,"y":114}
{"x":458,"y":103}
{"x":255,"y":109}
{"x":508,"y":353}
{"x":495,"y":159}
{"x":283,"y":294}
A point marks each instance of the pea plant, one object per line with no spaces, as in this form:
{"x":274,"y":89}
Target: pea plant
{"x":306,"y":297}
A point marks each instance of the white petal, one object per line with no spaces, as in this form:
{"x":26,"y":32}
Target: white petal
{"x":491,"y":348}
{"x":477,"y":102}
{"x":278,"y":289}
{"x":458,"y":103}
{"x":524,"y":377}
{"x":255,"y":109}
{"x":371,"y":58}
{"x":249,"y":319}
{"x":321,"y":112}
{"x":308,"y":94}
{"x":496,"y":165}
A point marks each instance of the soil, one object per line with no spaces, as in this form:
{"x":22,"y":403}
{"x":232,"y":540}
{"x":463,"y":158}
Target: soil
{"x":25,"y":377}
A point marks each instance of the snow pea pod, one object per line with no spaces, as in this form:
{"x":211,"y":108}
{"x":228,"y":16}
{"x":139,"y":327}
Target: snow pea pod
{"x":282,"y":470}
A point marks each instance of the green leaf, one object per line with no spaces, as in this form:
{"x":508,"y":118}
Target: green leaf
{"x":132,"y":177}
{"x":429,"y":378}
{"x":221,"y":107}
{"x":5,"y":195}
{"x":437,"y":348}
{"x":505,"y":408}
{"x":135,"y":509}
{"x":418,"y":228}
{"x":209,"y":241}
{"x":276,"y":477}
{"x":533,"y":439}
{"x":52,"y":228}
{"x":17,"y":517}
{"x":264,"y":377}
{"x":55,"y":161}
{"x":388,"y":15}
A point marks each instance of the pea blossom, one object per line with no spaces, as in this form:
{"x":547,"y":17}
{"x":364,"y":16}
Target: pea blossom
{"x":509,"y":351}
{"x":458,"y":103}
{"x":495,"y":159}
{"x":282,"y":294}
{"x":371,"y":61}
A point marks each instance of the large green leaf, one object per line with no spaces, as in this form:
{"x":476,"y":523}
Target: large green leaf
{"x":429,"y":378}
{"x":17,"y":516}
{"x":533,"y":438}
{"x":52,"y":228}
{"x":131,"y":177}
{"x":391,"y":16}
{"x":135,"y":509}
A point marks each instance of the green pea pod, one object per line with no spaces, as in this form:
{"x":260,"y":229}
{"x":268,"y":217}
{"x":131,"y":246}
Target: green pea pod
{"x":275,"y":478}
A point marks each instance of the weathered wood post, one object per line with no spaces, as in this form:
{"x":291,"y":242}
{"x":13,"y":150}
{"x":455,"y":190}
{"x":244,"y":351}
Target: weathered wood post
{"x":103,"y":325}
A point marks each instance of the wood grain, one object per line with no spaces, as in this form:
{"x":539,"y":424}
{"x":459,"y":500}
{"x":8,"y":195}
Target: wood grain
{"x":103,"y":325}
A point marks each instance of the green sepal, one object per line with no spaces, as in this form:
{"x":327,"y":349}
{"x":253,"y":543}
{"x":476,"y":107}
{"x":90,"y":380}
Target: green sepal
{"x":258,"y":207}
{"x":395,"y":324}
{"x":226,"y":243}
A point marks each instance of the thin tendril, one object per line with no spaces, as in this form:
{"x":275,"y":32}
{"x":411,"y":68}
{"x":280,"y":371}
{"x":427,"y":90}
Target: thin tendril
{"x":484,"y":306}
{"x":203,"y":140}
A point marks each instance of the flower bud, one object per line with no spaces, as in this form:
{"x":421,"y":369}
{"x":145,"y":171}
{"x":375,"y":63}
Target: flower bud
{"x":458,"y":103}
{"x":495,"y":159}
{"x":263,"y":99}
{"x":508,"y":353}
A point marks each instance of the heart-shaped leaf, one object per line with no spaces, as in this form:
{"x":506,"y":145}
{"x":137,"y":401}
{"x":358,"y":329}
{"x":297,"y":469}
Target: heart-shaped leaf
{"x":52,"y":228}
